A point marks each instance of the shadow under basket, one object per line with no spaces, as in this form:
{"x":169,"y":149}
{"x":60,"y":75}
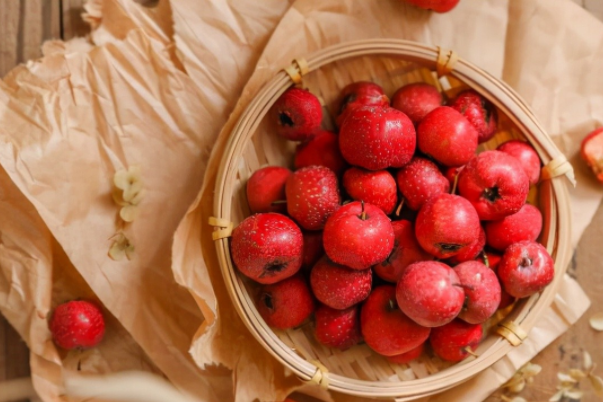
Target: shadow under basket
{"x":391,"y":64}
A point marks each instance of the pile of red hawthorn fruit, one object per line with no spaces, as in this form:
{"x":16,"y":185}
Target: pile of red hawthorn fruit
{"x":431,"y":240}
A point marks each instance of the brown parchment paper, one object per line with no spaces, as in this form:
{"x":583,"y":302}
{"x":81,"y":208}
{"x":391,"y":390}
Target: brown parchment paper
{"x":36,"y":276}
{"x":486,"y":33}
{"x":71,"y":120}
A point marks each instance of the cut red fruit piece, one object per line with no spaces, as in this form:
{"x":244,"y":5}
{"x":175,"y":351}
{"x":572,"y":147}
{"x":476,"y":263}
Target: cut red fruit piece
{"x":592,"y":152}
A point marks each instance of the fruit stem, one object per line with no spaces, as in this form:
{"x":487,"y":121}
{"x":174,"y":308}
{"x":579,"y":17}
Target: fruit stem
{"x":470,"y":351}
{"x":454,"y":183}
{"x":392,"y":305}
{"x":363,"y":213}
{"x":399,"y":209}
{"x":278,"y":202}
{"x":486,"y":260}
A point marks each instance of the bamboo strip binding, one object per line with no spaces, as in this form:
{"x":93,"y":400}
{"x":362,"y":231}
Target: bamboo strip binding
{"x":358,"y":371}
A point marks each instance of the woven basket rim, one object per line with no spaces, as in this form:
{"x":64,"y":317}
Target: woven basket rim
{"x":506,"y":100}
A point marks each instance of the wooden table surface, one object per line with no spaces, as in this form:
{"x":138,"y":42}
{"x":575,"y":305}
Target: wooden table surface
{"x":25,"y":24}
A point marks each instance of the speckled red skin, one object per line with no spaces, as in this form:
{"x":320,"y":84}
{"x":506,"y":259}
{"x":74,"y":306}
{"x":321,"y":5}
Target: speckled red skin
{"x":408,"y":356}
{"x":286,"y":304}
{"x":355,"y":242}
{"x":446,"y":225}
{"x":492,"y":262}
{"x":321,"y":150}
{"x":406,"y":251}
{"x":338,"y":328}
{"x":526,"y":268}
{"x":339,"y":287}
{"x":376,"y":138}
{"x":495,"y":184}
{"x":297,"y":114}
{"x":480,"y":113}
{"x":450,"y":342}
{"x":429,"y":292}
{"x":417,"y":100}
{"x":267,"y":247}
{"x":313,"y":249}
{"x":470,"y":252}
{"x":385,"y":328}
{"x":591,"y":152}
{"x":419,"y":181}
{"x":445,"y":135}
{"x":312,"y":196}
{"x":265,"y":186}
{"x":439,"y":6}
{"x":526,"y":155}
{"x":482,"y":291}
{"x":77,"y":324}
{"x":362,"y":93}
{"x":376,"y":187}
{"x":525,"y":224}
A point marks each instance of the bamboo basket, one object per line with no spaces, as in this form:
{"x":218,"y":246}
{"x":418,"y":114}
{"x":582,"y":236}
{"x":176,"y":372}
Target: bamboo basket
{"x":391,"y":64}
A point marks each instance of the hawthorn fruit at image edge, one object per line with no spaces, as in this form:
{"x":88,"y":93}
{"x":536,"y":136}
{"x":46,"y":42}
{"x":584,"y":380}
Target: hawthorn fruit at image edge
{"x":591,"y":152}
{"x":286,"y":304}
{"x":77,"y":324}
{"x":385,"y":328}
{"x":439,"y":6}
{"x":358,"y":235}
{"x":298,"y":115}
{"x":430,"y":293}
{"x":267,"y":247}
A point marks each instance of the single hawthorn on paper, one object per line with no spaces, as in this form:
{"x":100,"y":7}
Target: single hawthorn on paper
{"x":393,"y":230}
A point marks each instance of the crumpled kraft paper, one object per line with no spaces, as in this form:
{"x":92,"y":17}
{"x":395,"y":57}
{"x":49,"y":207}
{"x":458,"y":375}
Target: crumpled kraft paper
{"x":36,"y":276}
{"x":483,"y":32}
{"x":70,"y":121}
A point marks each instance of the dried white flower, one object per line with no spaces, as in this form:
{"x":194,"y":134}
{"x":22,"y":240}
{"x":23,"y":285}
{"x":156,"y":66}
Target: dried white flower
{"x":596,"y":321}
{"x":120,"y":248}
{"x":128,"y":192}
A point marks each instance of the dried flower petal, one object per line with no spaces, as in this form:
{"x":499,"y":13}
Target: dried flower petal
{"x":137,"y":198}
{"x":565,"y":378}
{"x":118,"y":198}
{"x":596,"y":321}
{"x":517,"y":388}
{"x":116,"y":252}
{"x":597,"y":383}
{"x":577,"y":374}
{"x":128,"y":213}
{"x":574,"y":394}
{"x":557,"y":397}
{"x":587,"y":361}
{"x":532,"y":370}
{"x":124,"y":178}
{"x":120,"y":248}
{"x":132,"y":190}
